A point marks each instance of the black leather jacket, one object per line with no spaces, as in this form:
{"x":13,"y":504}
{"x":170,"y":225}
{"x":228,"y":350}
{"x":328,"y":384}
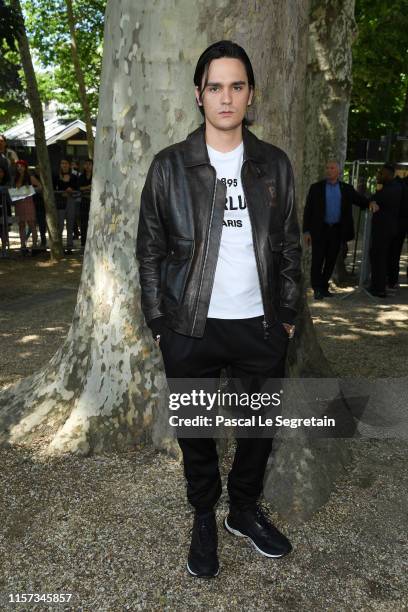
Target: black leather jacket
{"x":180,"y":225}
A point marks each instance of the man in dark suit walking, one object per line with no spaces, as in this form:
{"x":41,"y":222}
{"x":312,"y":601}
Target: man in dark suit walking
{"x":327,"y":223}
{"x":386,"y":243}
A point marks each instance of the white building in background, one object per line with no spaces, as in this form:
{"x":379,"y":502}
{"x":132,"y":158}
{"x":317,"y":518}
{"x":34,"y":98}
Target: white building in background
{"x":64,"y":137}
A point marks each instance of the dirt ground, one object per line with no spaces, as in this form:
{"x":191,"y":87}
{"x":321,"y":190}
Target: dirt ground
{"x":114,"y":530}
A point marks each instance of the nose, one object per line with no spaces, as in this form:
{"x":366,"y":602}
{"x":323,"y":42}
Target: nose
{"x":226,"y":96}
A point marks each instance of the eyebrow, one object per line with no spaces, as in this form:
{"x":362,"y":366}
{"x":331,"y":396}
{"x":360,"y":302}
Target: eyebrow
{"x":213,"y":84}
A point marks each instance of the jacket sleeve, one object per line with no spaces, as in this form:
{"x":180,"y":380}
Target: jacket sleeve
{"x":307,"y":213}
{"x":357,"y":199}
{"x":151,"y":242}
{"x":378,"y":197}
{"x":290,"y":269}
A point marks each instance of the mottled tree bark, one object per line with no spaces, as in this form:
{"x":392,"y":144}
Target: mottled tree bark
{"x":328,"y":84}
{"x":104,"y":388}
{"x":39,"y":136}
{"x":328,"y":87}
{"x":80,"y":77}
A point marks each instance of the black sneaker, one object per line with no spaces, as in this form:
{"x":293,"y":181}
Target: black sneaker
{"x":254,"y":525}
{"x":375,"y":293}
{"x":202,"y":557}
{"x":326,"y":293}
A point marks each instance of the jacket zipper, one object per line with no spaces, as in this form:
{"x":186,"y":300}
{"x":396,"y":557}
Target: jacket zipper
{"x":206,"y":251}
{"x":265,"y":323}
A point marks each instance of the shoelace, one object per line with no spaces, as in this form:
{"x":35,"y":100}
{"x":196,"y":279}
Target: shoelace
{"x":262,"y":518}
{"x":206,"y":533}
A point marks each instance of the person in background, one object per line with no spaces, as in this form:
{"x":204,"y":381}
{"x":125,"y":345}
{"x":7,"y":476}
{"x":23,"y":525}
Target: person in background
{"x":76,"y":172}
{"x":8,"y":157}
{"x":5,"y":201}
{"x":384,"y":229}
{"x":405,"y":181}
{"x":327,"y":223}
{"x":85,"y":185}
{"x":64,"y":185}
{"x":25,"y":209}
{"x":397,"y":242}
{"x":75,"y":167}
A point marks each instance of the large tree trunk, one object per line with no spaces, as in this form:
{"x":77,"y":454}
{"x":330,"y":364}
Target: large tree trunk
{"x":80,"y":78}
{"x":39,"y":135}
{"x":104,"y":388}
{"x":328,"y":90}
{"x":328,"y":84}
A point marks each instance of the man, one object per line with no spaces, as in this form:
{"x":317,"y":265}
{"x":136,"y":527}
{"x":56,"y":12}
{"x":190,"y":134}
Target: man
{"x":219,"y":258}
{"x":384,"y":230}
{"x":85,"y":186}
{"x":8,"y":158}
{"x":77,"y":221}
{"x":327,"y":223}
{"x":397,"y":242}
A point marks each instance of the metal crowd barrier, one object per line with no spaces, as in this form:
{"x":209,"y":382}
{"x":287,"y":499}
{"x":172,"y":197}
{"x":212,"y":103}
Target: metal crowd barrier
{"x":6,"y":220}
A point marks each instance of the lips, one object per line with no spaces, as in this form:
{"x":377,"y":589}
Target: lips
{"x":226,"y":113}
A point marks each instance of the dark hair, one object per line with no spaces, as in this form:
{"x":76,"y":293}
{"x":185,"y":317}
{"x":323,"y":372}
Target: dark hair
{"x":88,"y":159}
{"x":26,"y":176}
{"x":222,"y":48}
{"x":390,"y":168}
{"x":3,"y":136}
{"x":59,"y":166}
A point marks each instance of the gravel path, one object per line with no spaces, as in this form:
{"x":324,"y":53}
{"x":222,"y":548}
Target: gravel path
{"x":114,"y":530}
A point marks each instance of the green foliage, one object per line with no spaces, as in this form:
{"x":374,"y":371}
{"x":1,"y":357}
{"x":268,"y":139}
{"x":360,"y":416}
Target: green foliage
{"x":47,"y":29}
{"x":13,"y":102}
{"x":12,"y":98}
{"x":380,"y":69}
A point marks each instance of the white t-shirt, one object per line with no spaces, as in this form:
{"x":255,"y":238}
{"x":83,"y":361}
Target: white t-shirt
{"x":236,"y":292}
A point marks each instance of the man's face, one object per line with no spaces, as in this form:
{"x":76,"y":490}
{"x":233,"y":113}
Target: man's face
{"x":227,"y":93}
{"x":384,"y":176}
{"x":87,"y":166}
{"x":332,"y":171}
{"x":2,"y":145}
{"x":65,"y":166}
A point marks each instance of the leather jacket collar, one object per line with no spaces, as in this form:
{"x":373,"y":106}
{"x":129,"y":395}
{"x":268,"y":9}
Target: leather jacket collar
{"x":196,"y":154}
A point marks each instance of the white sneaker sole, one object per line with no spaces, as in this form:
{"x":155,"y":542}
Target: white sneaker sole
{"x":242,"y":535}
{"x":194,"y":574}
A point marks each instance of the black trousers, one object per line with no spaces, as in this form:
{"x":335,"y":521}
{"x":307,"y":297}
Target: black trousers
{"x":238,"y":345}
{"x":325,"y":249}
{"x":382,"y":237}
{"x":85,"y":206}
{"x":394,"y":253}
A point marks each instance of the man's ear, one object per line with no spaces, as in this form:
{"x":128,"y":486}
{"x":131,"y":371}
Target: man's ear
{"x":197,"y":95}
{"x":251,"y":95}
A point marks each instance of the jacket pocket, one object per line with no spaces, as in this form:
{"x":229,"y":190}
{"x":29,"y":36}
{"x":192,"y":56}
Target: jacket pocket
{"x":179,"y":258}
{"x":276,"y":246}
